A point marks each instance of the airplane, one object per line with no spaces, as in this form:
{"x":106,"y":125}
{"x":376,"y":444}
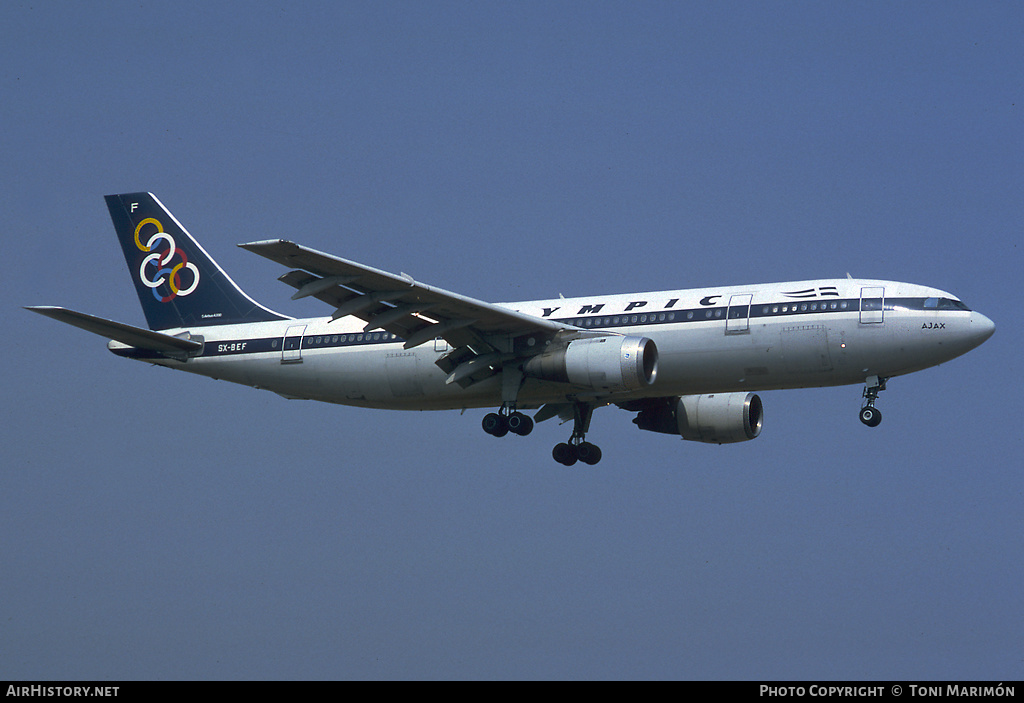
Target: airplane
{"x":689,"y":362}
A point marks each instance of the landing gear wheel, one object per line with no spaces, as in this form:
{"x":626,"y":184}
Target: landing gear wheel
{"x":495,"y":424}
{"x":565,"y":454}
{"x":588,"y":453}
{"x":520,"y":424}
{"x":870,"y":416}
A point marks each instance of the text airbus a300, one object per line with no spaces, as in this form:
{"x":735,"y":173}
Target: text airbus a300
{"x":685,"y":362}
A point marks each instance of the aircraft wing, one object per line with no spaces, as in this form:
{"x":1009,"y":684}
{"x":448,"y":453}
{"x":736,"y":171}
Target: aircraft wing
{"x":483,"y":335}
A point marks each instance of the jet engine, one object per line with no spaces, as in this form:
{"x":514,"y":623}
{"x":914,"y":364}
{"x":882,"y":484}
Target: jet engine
{"x":600,"y":363}
{"x":716,"y":418}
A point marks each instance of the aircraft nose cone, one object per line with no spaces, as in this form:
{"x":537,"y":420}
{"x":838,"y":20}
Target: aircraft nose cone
{"x":981,"y":327}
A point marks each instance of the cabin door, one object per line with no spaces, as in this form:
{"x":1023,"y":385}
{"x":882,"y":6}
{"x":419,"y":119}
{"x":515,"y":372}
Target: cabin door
{"x":737,"y":320}
{"x":872,"y":305}
{"x":291,"y":347}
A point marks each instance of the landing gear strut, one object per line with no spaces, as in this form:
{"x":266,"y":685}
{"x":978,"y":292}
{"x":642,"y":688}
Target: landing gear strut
{"x":869,"y":414}
{"x":577,"y":448}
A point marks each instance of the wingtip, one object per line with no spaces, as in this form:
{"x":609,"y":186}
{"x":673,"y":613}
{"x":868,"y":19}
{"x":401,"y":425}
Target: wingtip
{"x":41,"y":309}
{"x":261,"y":243}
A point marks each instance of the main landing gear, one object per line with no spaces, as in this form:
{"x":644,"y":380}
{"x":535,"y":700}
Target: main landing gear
{"x":869,"y":414}
{"x":577,"y":448}
{"x":507,"y":420}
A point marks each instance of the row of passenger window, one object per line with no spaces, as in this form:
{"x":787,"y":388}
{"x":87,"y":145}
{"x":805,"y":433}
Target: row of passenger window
{"x":635,"y":319}
{"x":336,"y":339}
{"x":805,"y":307}
{"x":709,"y":314}
{"x":648,"y":318}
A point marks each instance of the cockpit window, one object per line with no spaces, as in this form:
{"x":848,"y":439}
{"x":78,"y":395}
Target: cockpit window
{"x":944,"y":304}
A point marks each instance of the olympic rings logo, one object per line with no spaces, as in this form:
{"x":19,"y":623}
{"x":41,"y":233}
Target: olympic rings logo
{"x":161,"y":260}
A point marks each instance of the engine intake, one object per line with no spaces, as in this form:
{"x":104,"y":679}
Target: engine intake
{"x":716,"y":418}
{"x":599,"y":363}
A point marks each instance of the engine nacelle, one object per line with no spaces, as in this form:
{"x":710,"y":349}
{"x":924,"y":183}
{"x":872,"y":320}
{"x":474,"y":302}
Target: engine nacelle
{"x":717,"y":418}
{"x":600,"y":363}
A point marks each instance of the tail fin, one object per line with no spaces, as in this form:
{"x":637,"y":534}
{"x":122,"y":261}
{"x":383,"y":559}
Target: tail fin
{"x":178,"y":283}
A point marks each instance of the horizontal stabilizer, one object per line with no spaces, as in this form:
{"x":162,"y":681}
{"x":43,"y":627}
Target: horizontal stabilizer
{"x":126,"y":334}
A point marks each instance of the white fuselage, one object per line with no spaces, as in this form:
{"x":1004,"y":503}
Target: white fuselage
{"x":710,"y":340}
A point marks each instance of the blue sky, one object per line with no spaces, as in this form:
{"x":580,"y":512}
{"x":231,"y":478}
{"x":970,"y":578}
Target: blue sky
{"x":158,"y":525}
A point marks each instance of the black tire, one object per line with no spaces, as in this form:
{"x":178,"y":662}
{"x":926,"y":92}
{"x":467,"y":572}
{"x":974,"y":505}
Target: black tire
{"x":588,"y":453}
{"x":520,"y":424}
{"x":564,"y":454}
{"x":494,"y":424}
{"x":870,"y":416}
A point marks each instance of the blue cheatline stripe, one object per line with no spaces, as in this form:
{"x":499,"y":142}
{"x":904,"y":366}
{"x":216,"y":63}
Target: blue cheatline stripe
{"x":789,"y":308}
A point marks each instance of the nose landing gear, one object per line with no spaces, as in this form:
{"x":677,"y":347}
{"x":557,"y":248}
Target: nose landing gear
{"x":869,"y":414}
